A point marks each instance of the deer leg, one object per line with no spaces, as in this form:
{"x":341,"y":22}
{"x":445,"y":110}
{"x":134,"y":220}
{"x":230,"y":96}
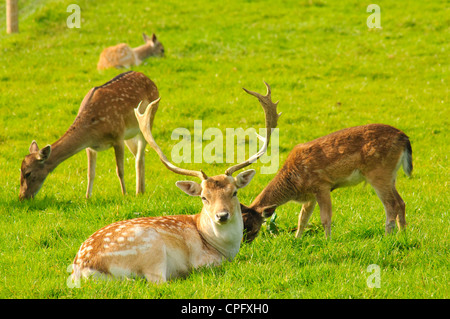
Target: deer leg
{"x":137,"y":146}
{"x":119,"y":152}
{"x":305,"y":214}
{"x":384,"y":186}
{"x":92,"y":161}
{"x":401,"y":215}
{"x":323,"y":198}
{"x":389,"y":201}
{"x":394,"y":207}
{"x":132,"y":145}
{"x":155,"y":269}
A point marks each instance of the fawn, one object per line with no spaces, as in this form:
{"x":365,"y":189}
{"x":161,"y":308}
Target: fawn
{"x":123,"y":56}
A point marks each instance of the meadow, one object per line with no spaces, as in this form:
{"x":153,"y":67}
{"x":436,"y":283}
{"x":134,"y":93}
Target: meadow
{"x":325,"y":66}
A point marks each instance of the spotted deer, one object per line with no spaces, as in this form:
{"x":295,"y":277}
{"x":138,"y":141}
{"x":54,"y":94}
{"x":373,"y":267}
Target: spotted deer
{"x":371,"y":153}
{"x":166,"y":247}
{"x":122,"y":56}
{"x":105,"y":119}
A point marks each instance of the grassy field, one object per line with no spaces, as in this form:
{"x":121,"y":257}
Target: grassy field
{"x":329,"y":71}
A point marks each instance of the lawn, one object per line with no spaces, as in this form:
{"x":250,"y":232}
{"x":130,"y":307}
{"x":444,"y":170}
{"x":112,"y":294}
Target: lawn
{"x":325,"y":66}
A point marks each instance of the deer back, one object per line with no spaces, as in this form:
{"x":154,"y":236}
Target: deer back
{"x":120,"y":55}
{"x":109,"y":109}
{"x":345,"y":156}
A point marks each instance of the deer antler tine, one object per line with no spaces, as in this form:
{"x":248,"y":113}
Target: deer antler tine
{"x":252,"y":93}
{"x":260,"y":97}
{"x":145,"y":121}
{"x":271,"y":118}
{"x":269,"y":92}
{"x":151,"y":108}
{"x":136,"y":110}
{"x":204,"y":176}
{"x":262,"y":139}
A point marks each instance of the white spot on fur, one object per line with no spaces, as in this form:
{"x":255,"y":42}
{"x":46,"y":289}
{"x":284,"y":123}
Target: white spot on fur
{"x":125,"y":252}
{"x":138,"y":231}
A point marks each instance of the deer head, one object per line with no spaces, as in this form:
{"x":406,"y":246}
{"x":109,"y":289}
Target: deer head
{"x":218,"y":193}
{"x":157,"y":49}
{"x":33,"y":171}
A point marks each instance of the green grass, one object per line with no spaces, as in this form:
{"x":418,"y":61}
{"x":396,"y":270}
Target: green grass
{"x":328,"y":71}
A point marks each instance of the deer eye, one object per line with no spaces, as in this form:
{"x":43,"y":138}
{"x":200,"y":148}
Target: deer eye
{"x":204,"y":200}
{"x":27,"y":175}
{"x":235,"y":194}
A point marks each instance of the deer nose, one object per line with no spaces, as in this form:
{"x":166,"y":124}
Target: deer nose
{"x":222,"y":217}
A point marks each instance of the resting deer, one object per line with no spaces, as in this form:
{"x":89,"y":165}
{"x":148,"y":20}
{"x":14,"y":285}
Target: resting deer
{"x":105,"y":119}
{"x":166,"y":247}
{"x":371,"y":153}
{"x":122,"y":56}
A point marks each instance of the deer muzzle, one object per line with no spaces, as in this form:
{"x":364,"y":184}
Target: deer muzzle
{"x":222,"y":217}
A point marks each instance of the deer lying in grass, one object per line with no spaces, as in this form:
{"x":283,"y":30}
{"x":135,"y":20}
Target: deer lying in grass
{"x":105,"y":119}
{"x":371,"y":153}
{"x":166,"y":247}
{"x":122,"y":56}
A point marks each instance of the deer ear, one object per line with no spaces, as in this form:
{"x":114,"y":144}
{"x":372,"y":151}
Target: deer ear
{"x":146,"y":38}
{"x":44,"y":153}
{"x":154,"y":37}
{"x":33,"y":147}
{"x":268,"y":211}
{"x":189,"y":187}
{"x":244,"y":178}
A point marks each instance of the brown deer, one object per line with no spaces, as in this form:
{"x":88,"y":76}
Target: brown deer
{"x":122,"y":56}
{"x":371,"y":153}
{"x":105,"y":119}
{"x":165,"y":247}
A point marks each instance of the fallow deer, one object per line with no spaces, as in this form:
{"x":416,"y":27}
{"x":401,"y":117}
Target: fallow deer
{"x":122,"y":56}
{"x":371,"y":153}
{"x":105,"y":119}
{"x":166,"y":247}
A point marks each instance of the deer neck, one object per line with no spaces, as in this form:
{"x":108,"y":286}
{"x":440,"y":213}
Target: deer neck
{"x":142,"y":52}
{"x":279,"y":191}
{"x":226,"y":238}
{"x":73,"y":141}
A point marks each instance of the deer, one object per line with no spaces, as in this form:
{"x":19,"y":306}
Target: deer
{"x":372,"y":153}
{"x":123,"y":56}
{"x":162,"y":248}
{"x":105,"y":119}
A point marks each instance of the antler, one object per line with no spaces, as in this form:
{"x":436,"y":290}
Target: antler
{"x":271,"y":115}
{"x":145,"y":121}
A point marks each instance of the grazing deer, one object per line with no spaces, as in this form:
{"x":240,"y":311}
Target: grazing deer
{"x":166,"y":247}
{"x":122,"y":56}
{"x":105,"y":119}
{"x":312,"y":170}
